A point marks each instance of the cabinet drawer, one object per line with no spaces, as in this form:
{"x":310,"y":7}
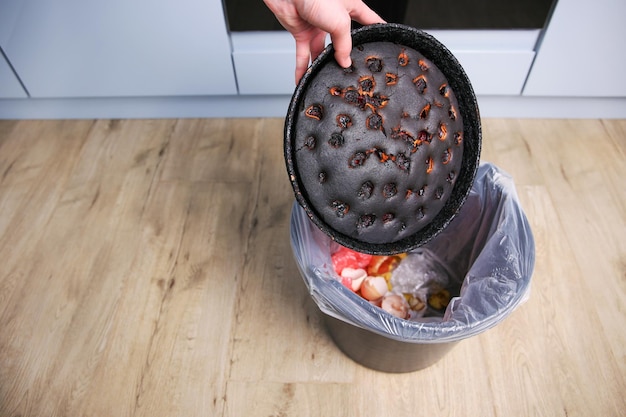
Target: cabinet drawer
{"x":120,"y":48}
{"x":496,"y":62}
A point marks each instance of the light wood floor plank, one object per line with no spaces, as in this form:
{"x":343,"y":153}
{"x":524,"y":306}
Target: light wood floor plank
{"x":585,"y":184}
{"x":272,"y":288}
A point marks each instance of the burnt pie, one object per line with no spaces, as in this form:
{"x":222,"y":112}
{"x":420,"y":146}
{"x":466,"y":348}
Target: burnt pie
{"x":378,"y":153}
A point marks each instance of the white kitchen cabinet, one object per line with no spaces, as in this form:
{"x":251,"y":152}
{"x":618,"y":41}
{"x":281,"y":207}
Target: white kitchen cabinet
{"x":118,"y":48}
{"x":176,"y":58}
{"x":10,"y":86}
{"x":582,"y":53}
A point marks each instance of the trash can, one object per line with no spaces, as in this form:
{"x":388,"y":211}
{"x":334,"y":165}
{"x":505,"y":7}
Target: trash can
{"x":489,"y":251}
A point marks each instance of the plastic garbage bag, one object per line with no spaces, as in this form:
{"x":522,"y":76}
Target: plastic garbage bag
{"x":488,"y":251}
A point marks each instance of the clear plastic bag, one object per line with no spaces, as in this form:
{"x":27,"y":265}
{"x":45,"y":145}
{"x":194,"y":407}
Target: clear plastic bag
{"x":488,"y":250}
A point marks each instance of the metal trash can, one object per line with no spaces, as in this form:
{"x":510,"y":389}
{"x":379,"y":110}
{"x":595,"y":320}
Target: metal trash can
{"x":489,"y":248}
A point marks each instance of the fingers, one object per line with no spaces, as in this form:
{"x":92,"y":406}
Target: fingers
{"x":333,"y":16}
{"x":307,"y":49}
{"x":318,"y":42}
{"x":303,"y":55}
{"x":342,"y":43}
{"x":341,"y":37}
{"x":339,"y":30}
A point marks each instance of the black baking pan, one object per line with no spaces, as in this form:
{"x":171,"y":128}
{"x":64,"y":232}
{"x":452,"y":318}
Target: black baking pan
{"x":448,"y":65}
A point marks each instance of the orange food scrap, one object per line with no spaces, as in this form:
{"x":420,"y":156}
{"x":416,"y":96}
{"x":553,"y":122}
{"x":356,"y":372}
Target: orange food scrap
{"x":443,"y":132}
{"x":391,"y":78}
{"x":430,"y":164}
{"x":403,"y":59}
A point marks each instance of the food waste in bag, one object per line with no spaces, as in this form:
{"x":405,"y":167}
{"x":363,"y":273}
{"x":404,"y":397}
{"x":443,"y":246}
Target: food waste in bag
{"x":411,"y":286}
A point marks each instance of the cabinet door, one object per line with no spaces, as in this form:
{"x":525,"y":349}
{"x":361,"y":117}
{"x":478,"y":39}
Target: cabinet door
{"x":120,"y":48}
{"x":582,"y":52}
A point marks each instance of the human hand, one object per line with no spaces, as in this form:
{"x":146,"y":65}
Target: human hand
{"x":310,"y":20}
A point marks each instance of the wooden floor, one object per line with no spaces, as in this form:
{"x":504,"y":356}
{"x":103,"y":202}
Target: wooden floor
{"x":146,"y":270}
